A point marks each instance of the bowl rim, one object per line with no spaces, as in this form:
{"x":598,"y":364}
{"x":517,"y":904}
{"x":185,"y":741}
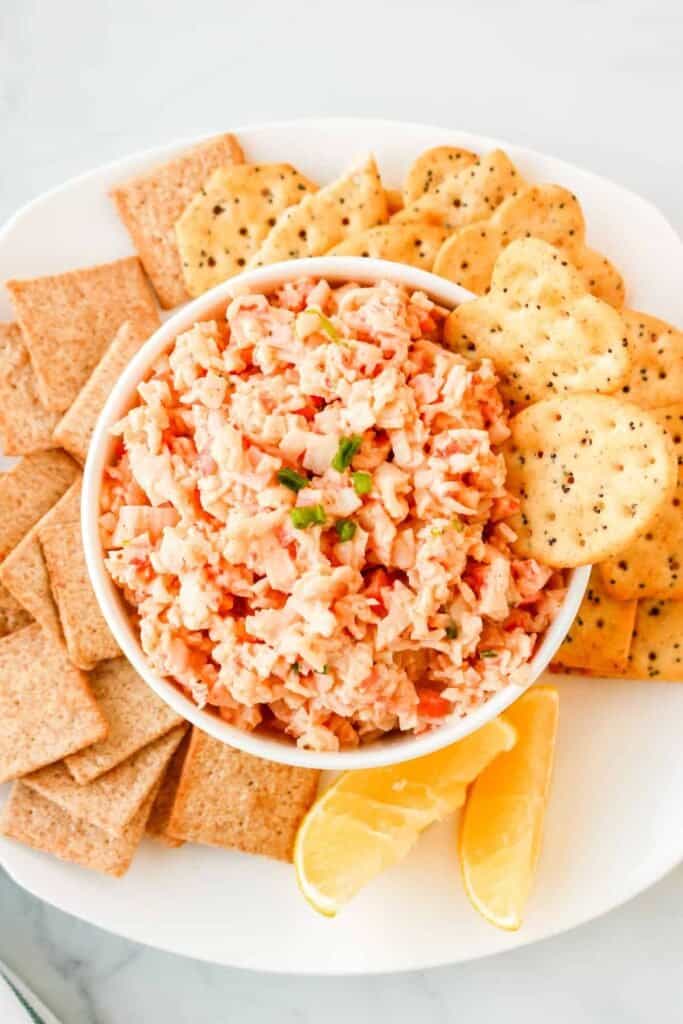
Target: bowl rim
{"x":384,"y":751}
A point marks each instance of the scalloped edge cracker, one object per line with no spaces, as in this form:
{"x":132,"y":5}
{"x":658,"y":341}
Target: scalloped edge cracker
{"x":30,"y":818}
{"x":657,"y":648}
{"x":653,"y":565}
{"x":75,"y":429}
{"x":344,"y":208}
{"x":432,"y":167}
{"x":599,"y":639}
{"x":24,"y":571}
{"x":232,"y":799}
{"x":47,"y":709}
{"x":24,"y":425}
{"x":549,"y":213}
{"x":150,"y":204}
{"x":544,"y":333}
{"x":28,"y":490}
{"x":225,"y":223}
{"x":67,"y":320}
{"x":468,"y":196}
{"x":413,"y":244}
{"x":591,"y":472}
{"x":656,"y":377}
{"x":135,"y":714}
{"x":87,"y":636}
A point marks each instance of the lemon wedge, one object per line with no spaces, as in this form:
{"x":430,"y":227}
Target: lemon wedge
{"x":502,"y":824}
{"x":368,"y":820}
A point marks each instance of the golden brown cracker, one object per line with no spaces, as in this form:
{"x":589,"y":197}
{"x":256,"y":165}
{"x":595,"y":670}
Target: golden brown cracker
{"x":75,"y":429}
{"x":160,"y":815}
{"x":28,"y":490}
{"x":150,"y":204}
{"x":24,"y":425}
{"x":228,"y":798}
{"x":653,"y":565}
{"x":136,"y":717}
{"x":432,"y":167}
{"x":601,"y":277}
{"x":394,"y":200}
{"x":468,"y":196}
{"x":30,"y":818}
{"x":599,"y":639}
{"x":591,"y":473}
{"x":24,"y":572}
{"x":86,"y":634}
{"x":541,"y":329}
{"x":414,"y":244}
{"x":225,"y":223}
{"x":657,"y":648}
{"x":47,"y":710}
{"x":67,"y":320}
{"x":112,"y":800}
{"x":347,"y":206}
{"x":656,"y":376}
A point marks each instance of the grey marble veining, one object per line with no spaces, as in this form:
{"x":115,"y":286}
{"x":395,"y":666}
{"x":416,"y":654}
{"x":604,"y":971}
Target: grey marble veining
{"x":598,"y":82}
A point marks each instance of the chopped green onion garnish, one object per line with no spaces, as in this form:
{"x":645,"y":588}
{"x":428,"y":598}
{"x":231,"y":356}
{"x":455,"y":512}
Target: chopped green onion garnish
{"x":346,"y":529}
{"x":436,"y":531}
{"x":325,"y":670}
{"x":457,"y":524}
{"x":307,"y":515}
{"x":451,"y":632}
{"x":326,"y":325}
{"x":348,"y":446}
{"x":295,"y":667}
{"x":488,"y":654}
{"x":362,"y":482}
{"x":290,"y":478}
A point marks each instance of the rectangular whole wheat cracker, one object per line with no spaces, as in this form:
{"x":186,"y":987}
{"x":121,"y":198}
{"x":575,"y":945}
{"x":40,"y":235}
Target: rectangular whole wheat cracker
{"x":12,"y":615}
{"x":599,"y":640}
{"x":75,"y":429}
{"x":151,"y":203}
{"x":24,"y":425}
{"x":160,"y":815}
{"x":232,"y":799}
{"x":67,"y":320}
{"x":86,"y":634}
{"x":657,"y":648}
{"x":113,"y":799}
{"x":28,"y":490}
{"x":134,"y":713}
{"x":24,"y":572}
{"x":47,"y":710}
{"x":30,"y":818}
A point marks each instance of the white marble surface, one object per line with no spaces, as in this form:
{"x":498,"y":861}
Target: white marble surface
{"x":599,"y":83}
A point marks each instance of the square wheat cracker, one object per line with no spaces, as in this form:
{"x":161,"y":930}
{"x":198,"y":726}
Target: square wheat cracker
{"x":24,"y":571}
{"x":24,"y":425}
{"x":12,"y":615}
{"x":150,"y":204}
{"x":113,"y":799}
{"x":228,"y":798}
{"x":67,"y":320}
{"x":599,"y":640}
{"x":28,"y":490}
{"x":47,"y":709}
{"x":160,"y":815}
{"x":135,"y":714}
{"x":30,"y":818}
{"x":87,"y":636}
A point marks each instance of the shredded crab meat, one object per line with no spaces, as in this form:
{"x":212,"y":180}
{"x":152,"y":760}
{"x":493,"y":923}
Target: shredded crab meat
{"x":306,"y":512}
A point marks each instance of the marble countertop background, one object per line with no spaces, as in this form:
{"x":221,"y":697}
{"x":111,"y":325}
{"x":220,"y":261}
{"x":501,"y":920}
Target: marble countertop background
{"x":597,"y":82}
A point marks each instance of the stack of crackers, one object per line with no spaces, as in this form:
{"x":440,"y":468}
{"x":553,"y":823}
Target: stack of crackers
{"x":98,"y":759}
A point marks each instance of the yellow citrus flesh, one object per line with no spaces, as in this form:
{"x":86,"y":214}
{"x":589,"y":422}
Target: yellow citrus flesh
{"x":368,"y":820}
{"x":502,"y":824}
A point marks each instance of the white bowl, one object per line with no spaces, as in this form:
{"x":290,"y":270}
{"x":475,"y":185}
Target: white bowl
{"x":389,"y":750}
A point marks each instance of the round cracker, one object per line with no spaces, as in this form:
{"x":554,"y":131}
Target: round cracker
{"x":432,"y":167}
{"x":415,"y":244}
{"x":591,"y":472}
{"x":545,"y":334}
